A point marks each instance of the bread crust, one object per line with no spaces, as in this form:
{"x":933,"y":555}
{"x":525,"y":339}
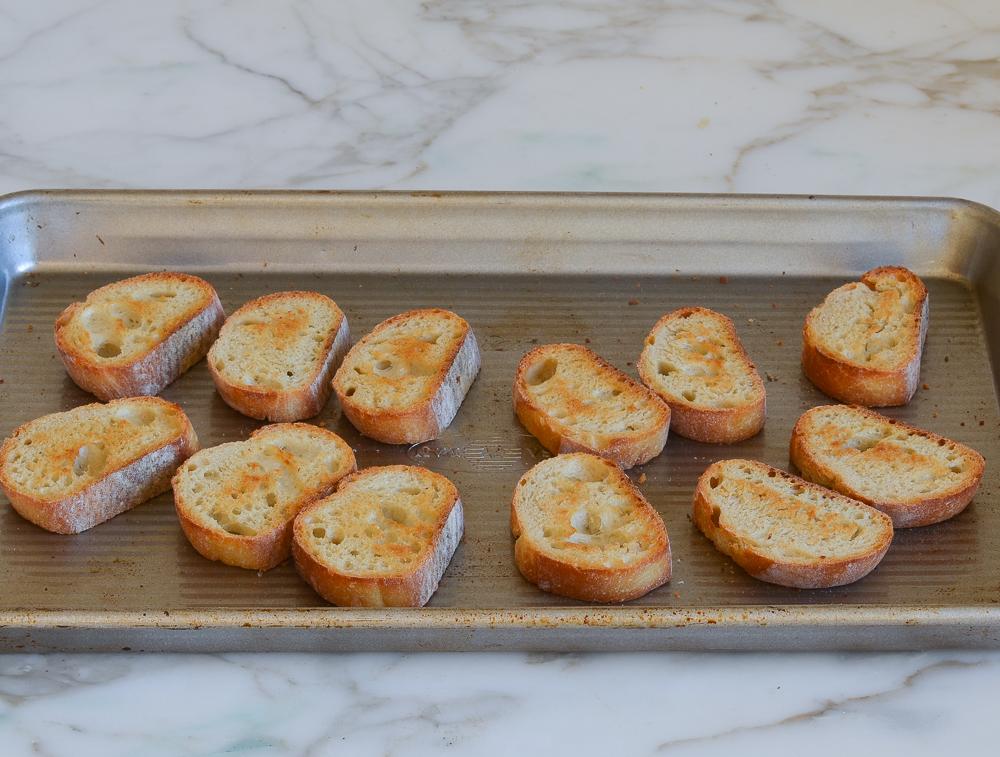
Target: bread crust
{"x":285,"y":406}
{"x":723,"y":425}
{"x":603,"y":584}
{"x":904,"y":514}
{"x":412,"y":588}
{"x":145,"y":477}
{"x":627,"y":450}
{"x":817,"y":575}
{"x":432,"y":415}
{"x":262,"y":551}
{"x":149,"y":373}
{"x":855,"y":383}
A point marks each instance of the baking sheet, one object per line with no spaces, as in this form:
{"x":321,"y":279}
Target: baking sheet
{"x":524,"y":270}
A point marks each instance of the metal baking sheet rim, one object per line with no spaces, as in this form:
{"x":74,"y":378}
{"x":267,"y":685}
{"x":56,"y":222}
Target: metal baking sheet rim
{"x":802,"y":628}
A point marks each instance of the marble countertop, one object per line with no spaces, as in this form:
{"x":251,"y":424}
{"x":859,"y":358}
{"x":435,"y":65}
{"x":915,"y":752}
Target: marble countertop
{"x":879,"y":97}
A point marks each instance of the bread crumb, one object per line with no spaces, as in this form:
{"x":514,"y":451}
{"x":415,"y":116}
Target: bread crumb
{"x":769,"y":377}
{"x":633,"y":301}
{"x":774,"y":306}
{"x":723,"y":279}
{"x":586,"y":340}
{"x":946,"y":358}
{"x":962,"y":423}
{"x":780,"y":343}
{"x":642,"y":478}
{"x":926,"y":386}
{"x":981,"y":423}
{"x":30,"y":327}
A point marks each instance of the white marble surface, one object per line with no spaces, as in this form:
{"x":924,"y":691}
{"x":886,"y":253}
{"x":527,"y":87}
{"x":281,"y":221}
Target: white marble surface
{"x":880,"y":96}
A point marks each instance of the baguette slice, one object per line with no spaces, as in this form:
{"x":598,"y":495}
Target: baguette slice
{"x":582,"y":530}
{"x":236,"y":502}
{"x":913,"y":476}
{"x":404,"y":382}
{"x":275,"y":356}
{"x":787,"y":531}
{"x":573,"y":401}
{"x":134,"y":337}
{"x":67,"y":472}
{"x":695,"y":361}
{"x":384,"y":539}
{"x":864,"y":342}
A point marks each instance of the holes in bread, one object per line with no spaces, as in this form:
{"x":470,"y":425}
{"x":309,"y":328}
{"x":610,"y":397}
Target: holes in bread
{"x":955,"y":468}
{"x":714,"y":481}
{"x":137,"y":416}
{"x":109,"y":349}
{"x":716,"y":515}
{"x":251,"y":323}
{"x":162,"y":294}
{"x":431,"y":338}
{"x":349,"y":391}
{"x":397,"y":513}
{"x":651,"y":340}
{"x":665,"y":368}
{"x":539,"y":374}
{"x":383,"y":365}
{"x":689,"y":394}
{"x":411,"y":490}
{"x":271,"y":498}
{"x":319,"y":532}
{"x":586,"y":522}
{"x":220,"y":365}
{"x":90,"y":460}
{"x":586,"y":469}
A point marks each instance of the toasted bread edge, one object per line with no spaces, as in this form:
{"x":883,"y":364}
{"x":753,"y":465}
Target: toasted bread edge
{"x":911,"y":514}
{"x":712,"y":425}
{"x":626,"y":450}
{"x":814,"y":576}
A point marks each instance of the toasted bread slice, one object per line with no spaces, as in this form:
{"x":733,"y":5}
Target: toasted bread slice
{"x":913,"y":476}
{"x":787,"y":531}
{"x":404,"y":382}
{"x":574,"y":401}
{"x":275,"y":356}
{"x":134,"y":337}
{"x":582,"y":530}
{"x":695,"y":361}
{"x":67,"y":472}
{"x":236,"y":502}
{"x":864,"y":342}
{"x":383,"y":539}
